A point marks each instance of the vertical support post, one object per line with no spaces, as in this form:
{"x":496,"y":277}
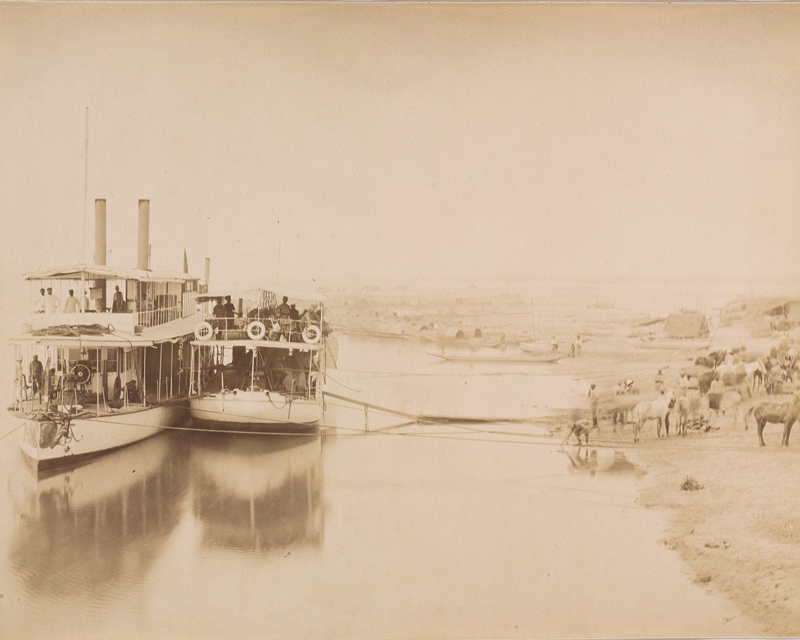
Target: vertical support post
{"x":144,"y":376}
{"x":191,"y":372}
{"x":253,"y":367}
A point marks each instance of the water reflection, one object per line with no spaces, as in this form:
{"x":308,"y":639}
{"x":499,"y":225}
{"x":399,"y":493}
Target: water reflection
{"x":258,"y":493}
{"x":99,"y":526}
{"x":594,"y":460}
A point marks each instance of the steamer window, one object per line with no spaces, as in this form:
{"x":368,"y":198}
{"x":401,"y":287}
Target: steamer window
{"x":112,"y":358}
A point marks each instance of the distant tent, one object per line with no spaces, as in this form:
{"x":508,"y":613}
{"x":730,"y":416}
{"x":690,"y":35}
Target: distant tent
{"x":686,"y":325}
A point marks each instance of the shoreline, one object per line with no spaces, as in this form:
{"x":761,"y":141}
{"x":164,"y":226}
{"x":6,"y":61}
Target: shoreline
{"x":740,"y":534}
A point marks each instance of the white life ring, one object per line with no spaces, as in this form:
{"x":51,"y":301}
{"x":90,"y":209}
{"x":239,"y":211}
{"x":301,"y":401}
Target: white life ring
{"x":204,"y":331}
{"x":312,"y":334}
{"x":256,"y":330}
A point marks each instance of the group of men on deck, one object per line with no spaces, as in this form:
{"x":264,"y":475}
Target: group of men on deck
{"x":49,"y":303}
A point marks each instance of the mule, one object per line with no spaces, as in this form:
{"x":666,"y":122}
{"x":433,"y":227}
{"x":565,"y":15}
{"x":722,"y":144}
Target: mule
{"x":656,"y":410}
{"x":683,"y":407}
{"x":784,"y":413}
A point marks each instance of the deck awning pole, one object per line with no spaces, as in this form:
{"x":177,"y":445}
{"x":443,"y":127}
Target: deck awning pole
{"x":253,"y":367}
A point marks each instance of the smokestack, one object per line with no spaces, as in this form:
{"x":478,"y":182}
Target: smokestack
{"x":208,"y":270}
{"x":100,"y":232}
{"x":144,"y":235}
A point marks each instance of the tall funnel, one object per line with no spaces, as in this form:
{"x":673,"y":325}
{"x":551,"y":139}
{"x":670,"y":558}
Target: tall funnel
{"x":100,"y":232}
{"x":143,"y":254}
{"x":208,"y":271}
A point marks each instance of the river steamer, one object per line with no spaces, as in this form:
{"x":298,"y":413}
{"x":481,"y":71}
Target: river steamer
{"x":106,"y":367}
{"x":262,"y":366}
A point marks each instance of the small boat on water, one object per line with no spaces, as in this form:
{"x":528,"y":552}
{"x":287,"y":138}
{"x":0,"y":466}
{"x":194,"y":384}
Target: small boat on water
{"x":105,"y":368}
{"x":540,"y":346}
{"x":502,"y":359}
{"x":260,"y":368}
{"x":464,"y":337}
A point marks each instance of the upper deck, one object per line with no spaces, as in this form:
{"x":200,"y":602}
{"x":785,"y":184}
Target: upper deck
{"x":130,"y":300}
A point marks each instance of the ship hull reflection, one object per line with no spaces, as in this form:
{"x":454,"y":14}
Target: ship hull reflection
{"x":258,"y":493}
{"x":99,"y":526}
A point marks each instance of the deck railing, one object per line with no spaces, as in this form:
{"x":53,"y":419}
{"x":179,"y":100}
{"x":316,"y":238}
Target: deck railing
{"x":189,"y":303}
{"x":154,"y":317}
{"x":278,"y":330}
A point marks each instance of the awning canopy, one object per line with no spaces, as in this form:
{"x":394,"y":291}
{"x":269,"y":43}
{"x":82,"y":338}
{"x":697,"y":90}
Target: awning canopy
{"x":99,"y":272}
{"x":255,"y":294}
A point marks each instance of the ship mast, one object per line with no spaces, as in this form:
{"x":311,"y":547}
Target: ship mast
{"x":85,"y":183}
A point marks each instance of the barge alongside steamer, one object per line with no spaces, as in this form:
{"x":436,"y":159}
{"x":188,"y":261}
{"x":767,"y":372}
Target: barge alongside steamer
{"x":112,"y":364}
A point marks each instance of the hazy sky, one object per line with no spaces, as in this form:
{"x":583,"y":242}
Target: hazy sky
{"x":405,"y":141}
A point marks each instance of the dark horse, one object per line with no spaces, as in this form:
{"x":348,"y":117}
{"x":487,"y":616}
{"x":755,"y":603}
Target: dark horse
{"x":784,"y":413}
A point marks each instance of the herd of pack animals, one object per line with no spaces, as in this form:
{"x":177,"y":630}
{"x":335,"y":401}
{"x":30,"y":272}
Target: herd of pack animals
{"x":764,"y":412}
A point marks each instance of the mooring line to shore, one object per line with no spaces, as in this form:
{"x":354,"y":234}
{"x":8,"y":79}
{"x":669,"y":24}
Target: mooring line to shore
{"x":19,"y":426}
{"x":540,"y":439}
{"x":527,"y":438}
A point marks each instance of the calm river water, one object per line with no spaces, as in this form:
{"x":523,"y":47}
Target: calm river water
{"x":454,"y":531}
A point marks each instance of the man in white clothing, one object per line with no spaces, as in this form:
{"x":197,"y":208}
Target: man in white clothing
{"x":71,"y":303}
{"x":51,"y":303}
{"x":38,"y":306}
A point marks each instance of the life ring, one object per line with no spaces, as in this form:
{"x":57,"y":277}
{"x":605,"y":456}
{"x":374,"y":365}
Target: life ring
{"x":312,"y":334}
{"x":256,"y":330}
{"x":204,"y":331}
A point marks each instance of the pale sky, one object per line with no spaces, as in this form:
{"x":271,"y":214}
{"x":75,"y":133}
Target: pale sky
{"x":405,"y":141}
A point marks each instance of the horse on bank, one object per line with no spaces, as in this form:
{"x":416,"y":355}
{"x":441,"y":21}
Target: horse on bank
{"x":656,"y":410}
{"x":785,"y":413}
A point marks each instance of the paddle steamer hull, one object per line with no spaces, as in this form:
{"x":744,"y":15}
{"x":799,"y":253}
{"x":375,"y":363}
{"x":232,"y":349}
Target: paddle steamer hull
{"x":48,"y":444}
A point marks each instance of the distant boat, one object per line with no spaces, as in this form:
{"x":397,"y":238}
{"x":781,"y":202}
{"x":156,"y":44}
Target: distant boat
{"x":464,"y":337}
{"x":537,"y":347}
{"x":532,"y":358}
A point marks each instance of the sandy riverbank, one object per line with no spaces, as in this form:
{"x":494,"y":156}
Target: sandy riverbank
{"x":740,"y":533}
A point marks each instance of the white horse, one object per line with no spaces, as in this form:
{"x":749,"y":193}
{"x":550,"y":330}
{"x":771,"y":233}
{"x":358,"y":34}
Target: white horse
{"x":757,"y":371}
{"x":656,"y":410}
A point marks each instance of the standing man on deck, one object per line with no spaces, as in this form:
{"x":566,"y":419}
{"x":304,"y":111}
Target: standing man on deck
{"x":284,"y":310}
{"x":71,"y":303}
{"x":37,"y":374}
{"x":51,"y":302}
{"x":38,"y":306}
